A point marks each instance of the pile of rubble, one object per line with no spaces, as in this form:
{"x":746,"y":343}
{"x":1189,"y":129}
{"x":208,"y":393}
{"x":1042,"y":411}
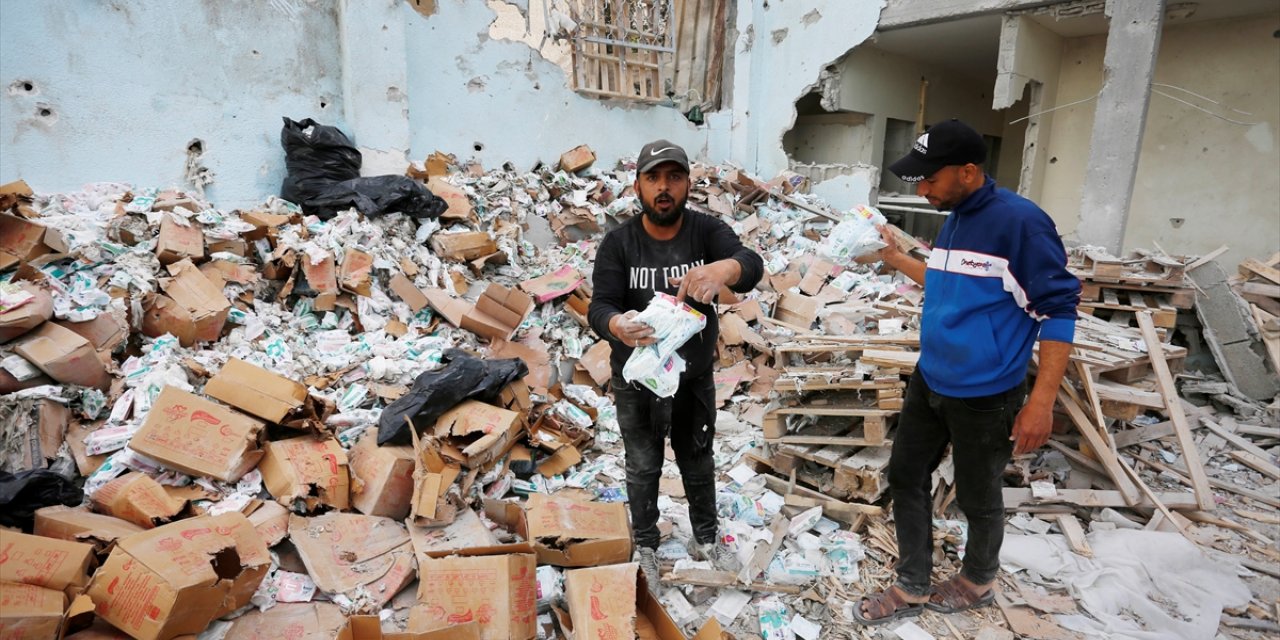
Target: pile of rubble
{"x":260,"y":423}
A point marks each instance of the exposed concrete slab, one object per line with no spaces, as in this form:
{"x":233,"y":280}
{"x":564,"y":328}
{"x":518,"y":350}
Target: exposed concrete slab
{"x":1133,"y":39}
{"x":910,"y":13}
{"x":1029,"y":54}
{"x":1226,"y":330}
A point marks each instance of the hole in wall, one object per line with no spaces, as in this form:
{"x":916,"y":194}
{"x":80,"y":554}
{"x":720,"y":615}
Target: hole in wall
{"x":44,"y":112}
{"x":20,"y":87}
{"x":27,"y":86}
{"x":195,"y":146}
{"x":323,"y":104}
{"x":478,"y":147}
{"x":1177,"y":222}
{"x":1053,"y":160}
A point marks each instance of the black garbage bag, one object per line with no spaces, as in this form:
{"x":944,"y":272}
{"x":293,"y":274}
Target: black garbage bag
{"x":377,"y":195}
{"x":316,"y":156}
{"x":21,"y":494}
{"x":461,"y":378}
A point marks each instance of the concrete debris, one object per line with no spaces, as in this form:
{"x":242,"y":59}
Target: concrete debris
{"x":214,"y":380}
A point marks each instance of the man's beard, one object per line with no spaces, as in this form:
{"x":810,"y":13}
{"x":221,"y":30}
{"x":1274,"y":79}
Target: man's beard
{"x":660,"y":219}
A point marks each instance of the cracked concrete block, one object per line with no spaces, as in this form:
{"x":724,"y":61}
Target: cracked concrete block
{"x":1250,"y":371}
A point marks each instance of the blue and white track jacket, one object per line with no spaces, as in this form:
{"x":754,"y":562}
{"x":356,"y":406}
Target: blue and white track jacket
{"x":996,"y":279}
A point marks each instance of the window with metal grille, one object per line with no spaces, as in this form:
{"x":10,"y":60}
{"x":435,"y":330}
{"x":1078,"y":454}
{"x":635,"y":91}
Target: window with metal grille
{"x":649,"y":50}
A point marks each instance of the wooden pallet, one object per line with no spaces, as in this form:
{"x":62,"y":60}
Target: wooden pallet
{"x":1153,"y":270}
{"x":1163,"y":313}
{"x":1096,"y":345}
{"x":1177,"y":297}
{"x":841,"y":472}
{"x":871,"y":431}
{"x":831,"y":379}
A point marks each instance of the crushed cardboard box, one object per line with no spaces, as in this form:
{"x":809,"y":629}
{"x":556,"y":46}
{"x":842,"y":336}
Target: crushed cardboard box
{"x":178,"y":578}
{"x":29,"y":611}
{"x":199,"y":437}
{"x":255,"y":390}
{"x":364,"y":558}
{"x":134,"y":497}
{"x":495,"y":587}
{"x":80,"y":525}
{"x":64,"y":356}
{"x":45,"y":562}
{"x":289,"y":621}
{"x":306,"y":472}
{"x":568,"y":532}
{"x":381,"y":477}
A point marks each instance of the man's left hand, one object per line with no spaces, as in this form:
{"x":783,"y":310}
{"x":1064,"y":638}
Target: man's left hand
{"x":703,"y":283}
{"x":1031,"y":428}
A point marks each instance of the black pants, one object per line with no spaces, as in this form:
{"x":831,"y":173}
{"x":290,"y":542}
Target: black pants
{"x":645,"y":421}
{"x":978,"y":430}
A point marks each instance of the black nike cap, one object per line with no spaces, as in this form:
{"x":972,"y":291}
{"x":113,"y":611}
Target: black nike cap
{"x":949,"y":142}
{"x":658,"y":152}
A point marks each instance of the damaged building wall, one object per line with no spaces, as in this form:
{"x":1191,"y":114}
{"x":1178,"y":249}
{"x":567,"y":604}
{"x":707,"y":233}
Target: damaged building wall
{"x":887,"y":86}
{"x":1202,"y":181}
{"x":118,"y":91}
{"x":781,"y":50}
{"x":501,"y":100}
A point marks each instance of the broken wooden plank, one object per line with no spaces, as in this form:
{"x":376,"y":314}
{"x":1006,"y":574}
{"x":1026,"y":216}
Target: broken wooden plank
{"x":832,"y":508}
{"x":831,"y":440}
{"x":1236,"y":440}
{"x":1181,"y":474}
{"x":1173,"y":405}
{"x":1101,"y":448}
{"x":1074,"y":533}
{"x":1257,"y":464}
{"x":1253,"y":266}
{"x":1015,"y":497}
{"x":765,"y":551}
{"x":724,"y":580}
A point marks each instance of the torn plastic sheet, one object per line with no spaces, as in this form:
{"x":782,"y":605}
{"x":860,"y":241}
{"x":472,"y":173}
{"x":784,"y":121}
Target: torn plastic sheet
{"x":1139,"y":585}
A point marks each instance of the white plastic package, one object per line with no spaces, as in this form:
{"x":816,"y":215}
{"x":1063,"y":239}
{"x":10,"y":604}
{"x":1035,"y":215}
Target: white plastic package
{"x":855,"y":236}
{"x":657,"y":366}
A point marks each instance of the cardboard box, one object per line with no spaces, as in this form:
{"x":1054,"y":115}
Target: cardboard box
{"x":356,"y":273}
{"x":476,"y":433}
{"x":411,"y":294}
{"x":560,"y":282}
{"x":465,"y":245}
{"x":25,"y":316}
{"x":466,"y":532}
{"x":577,"y":533}
{"x":98,"y":630}
{"x":14,"y":193}
{"x":615,"y":602}
{"x":28,"y":611}
{"x":289,"y":621}
{"x":45,"y":562}
{"x":105,"y":332}
{"x":255,"y":390}
{"x":497,"y":313}
{"x":203,"y":301}
{"x":81,"y":525}
{"x":21,"y":240}
{"x":381,"y":477}
{"x":577,"y":158}
{"x":499,"y":592}
{"x":135,"y":497}
{"x":307,"y":471}
{"x":346,"y":552}
{"x":370,"y":628}
{"x":161,"y":315}
{"x":63,"y":356}
{"x":176,"y":579}
{"x":271,"y":520}
{"x":199,"y":437}
{"x":796,"y":309}
{"x":459,"y":203}
{"x":178,"y":241}
{"x":432,"y":477}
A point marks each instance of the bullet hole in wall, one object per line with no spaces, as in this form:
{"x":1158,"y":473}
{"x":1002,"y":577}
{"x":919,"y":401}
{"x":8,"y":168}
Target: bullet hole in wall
{"x":1053,"y":160}
{"x":20,"y":87}
{"x":478,"y":147}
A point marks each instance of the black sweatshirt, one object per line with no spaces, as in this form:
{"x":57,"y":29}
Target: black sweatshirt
{"x":631,"y":265}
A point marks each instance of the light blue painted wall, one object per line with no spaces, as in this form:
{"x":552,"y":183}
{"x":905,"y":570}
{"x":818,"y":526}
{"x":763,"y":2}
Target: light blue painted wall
{"x":519,"y":108}
{"x":130,"y":82}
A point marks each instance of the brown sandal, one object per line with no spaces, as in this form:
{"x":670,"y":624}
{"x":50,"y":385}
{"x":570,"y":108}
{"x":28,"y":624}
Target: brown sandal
{"x":886,"y":606}
{"x":956,"y":595}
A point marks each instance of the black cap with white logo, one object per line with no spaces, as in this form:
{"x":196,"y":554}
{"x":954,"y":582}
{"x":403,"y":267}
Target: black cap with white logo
{"x":946,"y":143}
{"x":658,"y":152}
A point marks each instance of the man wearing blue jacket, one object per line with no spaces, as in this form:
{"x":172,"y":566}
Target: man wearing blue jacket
{"x":995,"y":282}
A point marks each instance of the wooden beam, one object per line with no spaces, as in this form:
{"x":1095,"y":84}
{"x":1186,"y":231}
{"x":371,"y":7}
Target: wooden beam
{"x":1208,"y":257}
{"x":1173,"y":405}
{"x":1257,"y":464}
{"x":1255,"y":266}
{"x":1015,"y":497}
{"x":765,"y":551}
{"x":1075,"y":534}
{"x":1101,"y":448}
{"x":1181,"y":474}
{"x":1236,"y":440}
{"x":831,"y":440}
{"x":723,"y":580}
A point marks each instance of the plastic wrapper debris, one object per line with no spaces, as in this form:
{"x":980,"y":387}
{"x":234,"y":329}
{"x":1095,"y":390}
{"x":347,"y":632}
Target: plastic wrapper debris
{"x":658,"y":366}
{"x":550,"y":587}
{"x":790,"y":567}
{"x":774,"y":624}
{"x":22,"y":493}
{"x":461,"y":378}
{"x":855,"y":236}
{"x":842,"y":551}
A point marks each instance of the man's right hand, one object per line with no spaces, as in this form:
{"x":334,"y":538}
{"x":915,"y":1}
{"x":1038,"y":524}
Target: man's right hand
{"x":630,"y":332}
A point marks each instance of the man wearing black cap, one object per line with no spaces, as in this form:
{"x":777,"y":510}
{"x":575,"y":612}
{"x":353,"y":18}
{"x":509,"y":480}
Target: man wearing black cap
{"x":690,"y":255}
{"x":996,"y":281}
